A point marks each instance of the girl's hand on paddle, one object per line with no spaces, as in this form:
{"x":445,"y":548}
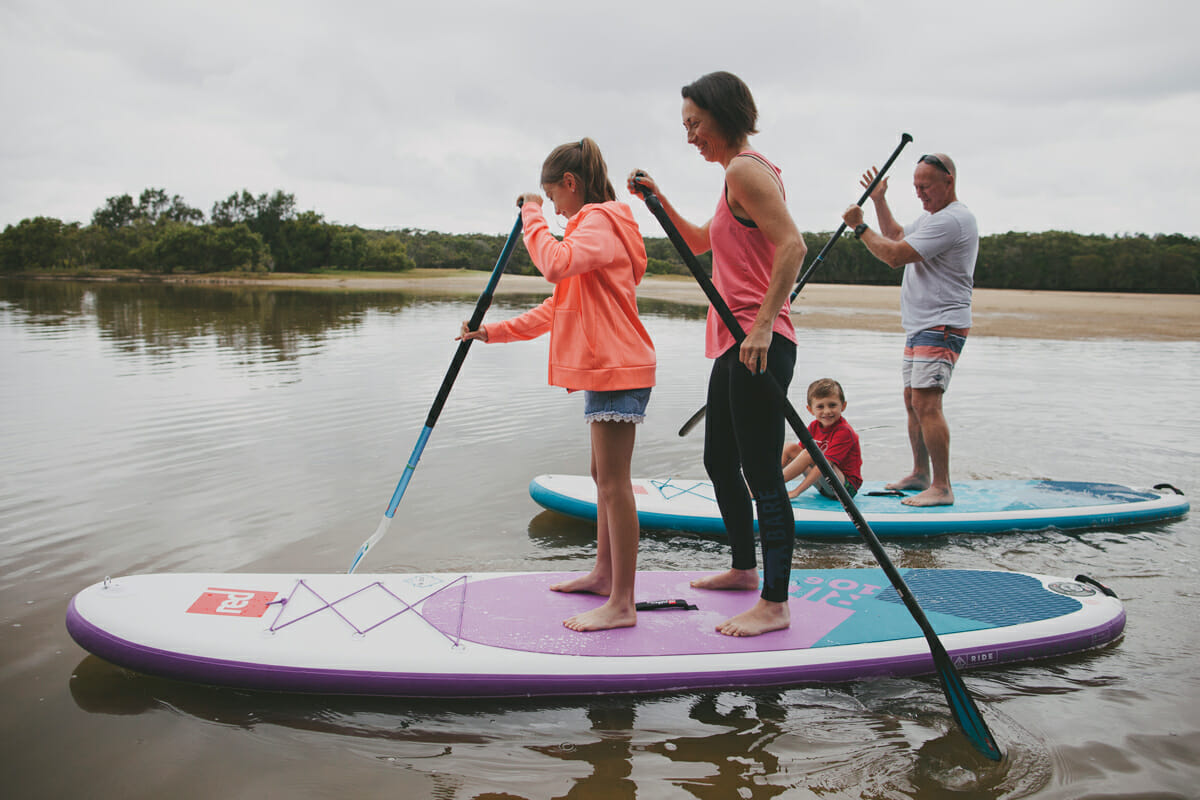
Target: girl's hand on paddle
{"x":879,"y":191}
{"x":643,"y":180}
{"x":465,"y":334}
{"x":529,"y":197}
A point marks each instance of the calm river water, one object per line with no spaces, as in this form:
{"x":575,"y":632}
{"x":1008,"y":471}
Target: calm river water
{"x":160,"y":429}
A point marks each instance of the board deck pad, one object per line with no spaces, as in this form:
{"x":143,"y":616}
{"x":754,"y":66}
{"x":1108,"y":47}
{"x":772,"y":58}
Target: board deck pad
{"x":981,"y":506}
{"x":823,"y":609}
{"x":501,"y":634}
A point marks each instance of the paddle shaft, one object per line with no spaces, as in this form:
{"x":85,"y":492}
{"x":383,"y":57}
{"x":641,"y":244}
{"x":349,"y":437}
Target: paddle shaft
{"x":695,"y":418}
{"x":963,"y":708}
{"x":460,"y":355}
{"x":837,"y":235}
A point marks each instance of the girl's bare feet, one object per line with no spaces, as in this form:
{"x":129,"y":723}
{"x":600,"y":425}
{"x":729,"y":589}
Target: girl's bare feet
{"x":591,"y":583}
{"x":606,"y":617}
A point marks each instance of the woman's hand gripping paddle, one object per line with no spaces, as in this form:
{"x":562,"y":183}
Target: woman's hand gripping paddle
{"x":694,"y":419}
{"x":481,"y":307}
{"x":962,"y":706}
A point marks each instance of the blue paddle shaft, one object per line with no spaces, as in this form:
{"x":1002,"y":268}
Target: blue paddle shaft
{"x":435,"y":410}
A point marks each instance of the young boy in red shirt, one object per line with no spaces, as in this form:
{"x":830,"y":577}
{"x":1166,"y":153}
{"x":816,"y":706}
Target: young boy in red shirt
{"x":835,"y":437}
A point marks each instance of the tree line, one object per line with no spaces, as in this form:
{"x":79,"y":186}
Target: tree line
{"x":160,"y":233}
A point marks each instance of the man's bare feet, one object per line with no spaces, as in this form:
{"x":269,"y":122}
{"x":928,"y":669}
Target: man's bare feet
{"x":730,"y":579}
{"x":914,"y":481}
{"x":763,"y":617}
{"x":590,"y":584}
{"x":606,"y":617}
{"x":933,"y":496}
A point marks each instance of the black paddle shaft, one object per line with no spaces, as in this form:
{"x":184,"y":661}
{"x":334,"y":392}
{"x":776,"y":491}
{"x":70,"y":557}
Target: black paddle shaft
{"x":962,"y":706}
{"x":837,"y":235}
{"x":481,"y":306}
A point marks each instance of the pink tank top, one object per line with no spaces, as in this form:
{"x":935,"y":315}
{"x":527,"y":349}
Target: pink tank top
{"x":742,"y":262}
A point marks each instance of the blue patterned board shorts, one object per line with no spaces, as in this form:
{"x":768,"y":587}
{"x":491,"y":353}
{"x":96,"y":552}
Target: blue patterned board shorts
{"x":623,"y":405}
{"x":930,"y":356}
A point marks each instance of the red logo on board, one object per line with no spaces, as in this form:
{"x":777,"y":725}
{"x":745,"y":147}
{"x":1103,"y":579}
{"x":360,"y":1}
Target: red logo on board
{"x":232,"y":603}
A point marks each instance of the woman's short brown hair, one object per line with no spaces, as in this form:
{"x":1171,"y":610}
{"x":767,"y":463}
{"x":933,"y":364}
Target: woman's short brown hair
{"x":727,"y":98}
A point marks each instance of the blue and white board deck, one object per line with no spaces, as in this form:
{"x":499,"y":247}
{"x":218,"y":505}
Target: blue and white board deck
{"x":501,"y":634}
{"x":980,"y":506}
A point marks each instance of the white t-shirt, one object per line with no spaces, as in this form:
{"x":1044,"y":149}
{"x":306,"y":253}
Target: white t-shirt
{"x":937,"y":290}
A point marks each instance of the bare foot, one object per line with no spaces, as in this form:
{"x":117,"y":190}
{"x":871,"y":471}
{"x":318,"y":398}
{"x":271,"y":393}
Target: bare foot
{"x":934,"y":496}
{"x":731,"y":579}
{"x":590,"y":584}
{"x":604,"y":618}
{"x":913,"y":481}
{"x":763,"y":617}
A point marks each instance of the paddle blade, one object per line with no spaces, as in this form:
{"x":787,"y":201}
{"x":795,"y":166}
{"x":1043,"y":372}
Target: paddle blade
{"x":693,"y":421}
{"x":371,"y":540}
{"x":963,"y":707}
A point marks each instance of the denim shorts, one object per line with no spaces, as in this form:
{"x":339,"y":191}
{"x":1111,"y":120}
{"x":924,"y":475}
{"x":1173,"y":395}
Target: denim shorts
{"x":624,"y":405}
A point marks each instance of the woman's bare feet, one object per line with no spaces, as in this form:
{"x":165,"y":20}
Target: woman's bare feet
{"x":592,"y":583}
{"x":608,"y":616}
{"x":736,"y":579}
{"x":763,"y":617}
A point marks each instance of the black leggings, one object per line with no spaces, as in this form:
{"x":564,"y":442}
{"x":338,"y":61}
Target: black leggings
{"x":744,"y":435}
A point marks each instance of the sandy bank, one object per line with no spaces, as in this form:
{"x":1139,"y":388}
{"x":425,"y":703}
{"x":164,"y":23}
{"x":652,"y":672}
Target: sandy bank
{"x":997,"y":312}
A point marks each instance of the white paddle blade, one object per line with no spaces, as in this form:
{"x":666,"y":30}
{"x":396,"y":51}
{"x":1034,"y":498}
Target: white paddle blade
{"x":375,"y":537}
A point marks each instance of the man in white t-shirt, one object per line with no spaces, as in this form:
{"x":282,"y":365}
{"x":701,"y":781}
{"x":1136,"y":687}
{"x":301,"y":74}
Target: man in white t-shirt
{"x":938,"y":253}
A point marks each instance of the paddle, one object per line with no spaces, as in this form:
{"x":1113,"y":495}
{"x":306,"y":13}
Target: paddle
{"x":962,"y":707}
{"x":694,"y":419}
{"x":481,"y":307}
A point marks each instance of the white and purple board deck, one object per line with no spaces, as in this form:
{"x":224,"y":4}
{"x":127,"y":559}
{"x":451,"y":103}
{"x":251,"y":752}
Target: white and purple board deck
{"x":500,"y":634}
{"x":981,"y":506}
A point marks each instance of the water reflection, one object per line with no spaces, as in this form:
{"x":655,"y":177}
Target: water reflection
{"x":883,"y":738}
{"x":166,"y":428}
{"x":159,"y":318}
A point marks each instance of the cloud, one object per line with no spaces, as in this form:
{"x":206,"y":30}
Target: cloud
{"x":1064,"y":115}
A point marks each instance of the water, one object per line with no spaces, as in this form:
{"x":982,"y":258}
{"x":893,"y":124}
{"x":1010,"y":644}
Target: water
{"x":159,"y":429}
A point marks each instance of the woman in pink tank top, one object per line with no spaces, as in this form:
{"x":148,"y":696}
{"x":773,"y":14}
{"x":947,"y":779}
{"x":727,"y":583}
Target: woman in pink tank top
{"x":757,"y":254}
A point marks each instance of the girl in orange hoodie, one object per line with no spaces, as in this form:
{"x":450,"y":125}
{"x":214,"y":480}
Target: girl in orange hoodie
{"x":598,"y":345}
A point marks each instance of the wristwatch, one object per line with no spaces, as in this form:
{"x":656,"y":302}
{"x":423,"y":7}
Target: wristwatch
{"x":859,"y":230}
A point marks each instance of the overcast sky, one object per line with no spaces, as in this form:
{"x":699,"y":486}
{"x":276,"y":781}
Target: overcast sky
{"x":1061,"y":114}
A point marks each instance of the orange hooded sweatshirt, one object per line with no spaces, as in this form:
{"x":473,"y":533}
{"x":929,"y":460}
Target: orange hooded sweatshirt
{"x":597,"y":341}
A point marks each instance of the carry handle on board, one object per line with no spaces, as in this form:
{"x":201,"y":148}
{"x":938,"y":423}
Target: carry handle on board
{"x":962,"y":707}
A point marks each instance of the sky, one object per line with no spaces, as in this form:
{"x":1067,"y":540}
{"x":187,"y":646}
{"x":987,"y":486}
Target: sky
{"x":1060,"y":114}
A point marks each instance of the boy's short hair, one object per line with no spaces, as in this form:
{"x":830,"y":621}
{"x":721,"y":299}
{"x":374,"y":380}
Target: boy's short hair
{"x":825,"y":387}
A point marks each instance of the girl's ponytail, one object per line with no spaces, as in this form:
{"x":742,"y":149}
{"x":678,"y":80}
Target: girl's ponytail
{"x":583,"y":159}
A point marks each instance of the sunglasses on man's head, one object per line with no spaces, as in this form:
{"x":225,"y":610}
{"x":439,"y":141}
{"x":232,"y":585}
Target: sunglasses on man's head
{"x":933,"y":161}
